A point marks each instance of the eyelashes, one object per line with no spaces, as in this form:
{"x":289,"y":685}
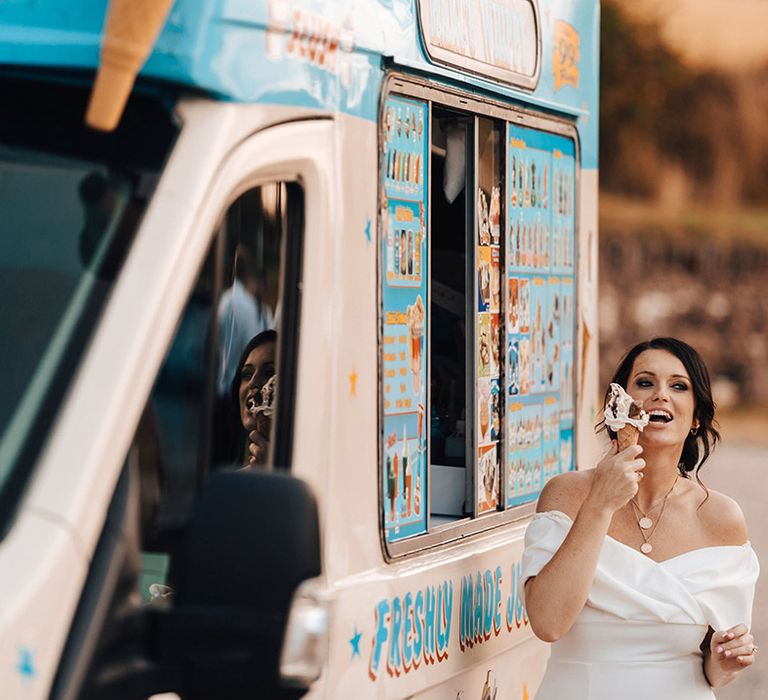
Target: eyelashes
{"x":646,"y":383}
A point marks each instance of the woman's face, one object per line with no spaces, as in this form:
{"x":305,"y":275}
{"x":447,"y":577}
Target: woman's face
{"x":661,"y":383}
{"x":259,"y":366}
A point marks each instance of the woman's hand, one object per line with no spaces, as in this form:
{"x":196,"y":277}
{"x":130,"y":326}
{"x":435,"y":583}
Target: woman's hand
{"x":258,"y":447}
{"x":616,"y":477}
{"x":730,"y":651}
{"x":734,"y":647}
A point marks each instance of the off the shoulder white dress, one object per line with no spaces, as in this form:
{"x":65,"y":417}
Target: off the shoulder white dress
{"x":638,"y":636}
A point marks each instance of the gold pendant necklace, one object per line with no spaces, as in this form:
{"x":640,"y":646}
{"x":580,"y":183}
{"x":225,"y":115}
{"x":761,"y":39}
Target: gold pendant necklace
{"x":645,"y":523}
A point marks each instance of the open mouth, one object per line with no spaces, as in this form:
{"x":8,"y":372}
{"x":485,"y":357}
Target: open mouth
{"x":659,"y":416}
{"x":250,"y":403}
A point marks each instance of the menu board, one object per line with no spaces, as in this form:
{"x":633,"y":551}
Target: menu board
{"x":488,"y":348}
{"x":539,"y":277}
{"x":404,"y":278}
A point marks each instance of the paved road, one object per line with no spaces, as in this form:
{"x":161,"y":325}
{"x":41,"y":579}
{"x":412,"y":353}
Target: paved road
{"x":740,"y":469}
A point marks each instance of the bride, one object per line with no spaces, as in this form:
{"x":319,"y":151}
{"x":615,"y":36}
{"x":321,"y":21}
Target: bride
{"x":641,"y":577}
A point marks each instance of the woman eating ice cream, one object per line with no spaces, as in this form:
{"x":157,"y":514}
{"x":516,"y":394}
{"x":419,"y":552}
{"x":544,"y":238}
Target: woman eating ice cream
{"x":642,"y":577}
{"x":254,"y":390}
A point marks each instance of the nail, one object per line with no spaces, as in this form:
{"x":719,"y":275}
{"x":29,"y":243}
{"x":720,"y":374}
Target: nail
{"x":719,"y":650}
{"x":728,"y":653}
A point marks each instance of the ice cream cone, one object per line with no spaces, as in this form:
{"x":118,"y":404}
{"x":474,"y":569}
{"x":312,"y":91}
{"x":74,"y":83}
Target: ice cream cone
{"x":624,"y":416}
{"x":131,"y":30}
{"x":626,"y":436}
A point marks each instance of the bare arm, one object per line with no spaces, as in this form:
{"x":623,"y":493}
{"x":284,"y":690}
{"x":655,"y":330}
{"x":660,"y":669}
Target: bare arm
{"x":556,"y":596}
{"x":726,"y":652}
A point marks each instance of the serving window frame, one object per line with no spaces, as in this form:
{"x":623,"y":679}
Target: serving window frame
{"x":407,"y":86}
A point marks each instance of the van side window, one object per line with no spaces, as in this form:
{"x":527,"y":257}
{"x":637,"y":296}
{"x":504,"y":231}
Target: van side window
{"x":223,"y":398}
{"x":477,"y":258}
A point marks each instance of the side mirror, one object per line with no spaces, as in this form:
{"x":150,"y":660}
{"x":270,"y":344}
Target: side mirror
{"x":253,"y":539}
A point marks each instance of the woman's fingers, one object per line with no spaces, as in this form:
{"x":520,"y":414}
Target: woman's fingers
{"x":743,"y":650}
{"x":724,"y":636}
{"x":737,"y":630}
{"x":735,"y":645}
{"x":611,"y":449}
{"x":631,"y":452}
{"x":256,"y":438}
{"x":746,"y":640}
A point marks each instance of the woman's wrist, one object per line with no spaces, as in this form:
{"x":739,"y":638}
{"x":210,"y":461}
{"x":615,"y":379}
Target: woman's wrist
{"x":715,"y":676}
{"x":596,"y":509}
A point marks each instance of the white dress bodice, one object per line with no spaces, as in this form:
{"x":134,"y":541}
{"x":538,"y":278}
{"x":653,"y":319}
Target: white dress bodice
{"x":639,"y":633}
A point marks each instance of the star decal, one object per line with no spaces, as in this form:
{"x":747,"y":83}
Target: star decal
{"x":353,"y":383}
{"x":368,"y":231}
{"x":26,"y":667}
{"x":355,"y":643}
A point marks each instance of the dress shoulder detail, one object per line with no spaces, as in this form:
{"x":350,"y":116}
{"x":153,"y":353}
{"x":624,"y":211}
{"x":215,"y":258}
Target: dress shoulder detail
{"x":543,"y":537}
{"x":708,"y":586}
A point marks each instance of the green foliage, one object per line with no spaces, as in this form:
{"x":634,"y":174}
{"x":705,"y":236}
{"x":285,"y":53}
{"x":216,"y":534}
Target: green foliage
{"x":661,"y":117}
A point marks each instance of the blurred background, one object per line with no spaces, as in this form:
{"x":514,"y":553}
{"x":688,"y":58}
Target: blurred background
{"x":684,"y":222}
{"x":684,"y":185}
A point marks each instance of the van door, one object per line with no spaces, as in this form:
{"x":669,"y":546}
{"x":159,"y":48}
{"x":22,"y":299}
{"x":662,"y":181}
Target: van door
{"x":232,"y":377}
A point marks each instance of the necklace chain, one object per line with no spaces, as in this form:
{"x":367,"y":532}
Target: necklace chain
{"x":653,"y":505}
{"x":647,"y":547}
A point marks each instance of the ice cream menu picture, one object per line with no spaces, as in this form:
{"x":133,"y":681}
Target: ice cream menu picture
{"x":539,"y":288}
{"x":487,"y":351}
{"x":404,"y":341}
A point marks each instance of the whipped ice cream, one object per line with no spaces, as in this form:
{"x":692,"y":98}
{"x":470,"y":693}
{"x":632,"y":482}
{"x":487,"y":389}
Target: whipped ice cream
{"x":621,"y":409}
{"x":267,"y":396}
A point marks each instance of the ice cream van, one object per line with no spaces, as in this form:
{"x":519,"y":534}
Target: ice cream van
{"x":298,"y":316}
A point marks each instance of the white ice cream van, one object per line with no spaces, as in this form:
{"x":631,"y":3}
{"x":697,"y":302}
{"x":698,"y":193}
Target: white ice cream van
{"x":298,"y":316}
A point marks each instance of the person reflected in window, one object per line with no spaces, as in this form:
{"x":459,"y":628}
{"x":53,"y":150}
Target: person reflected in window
{"x":254,"y":388}
{"x":243,"y":312}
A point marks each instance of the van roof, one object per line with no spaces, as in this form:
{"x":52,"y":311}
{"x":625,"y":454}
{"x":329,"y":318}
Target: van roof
{"x":316,"y":53}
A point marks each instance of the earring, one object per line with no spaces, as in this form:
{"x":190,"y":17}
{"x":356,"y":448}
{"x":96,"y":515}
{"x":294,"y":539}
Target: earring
{"x":694,"y":430}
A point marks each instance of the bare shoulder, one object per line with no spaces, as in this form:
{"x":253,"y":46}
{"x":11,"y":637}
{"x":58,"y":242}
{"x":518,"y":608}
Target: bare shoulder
{"x":565,"y":492}
{"x":722,"y":518}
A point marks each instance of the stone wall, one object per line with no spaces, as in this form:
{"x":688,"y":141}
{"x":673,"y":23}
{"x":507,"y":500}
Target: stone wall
{"x":712,"y":293}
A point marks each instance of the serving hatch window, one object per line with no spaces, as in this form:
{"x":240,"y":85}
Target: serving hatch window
{"x":477,"y":271}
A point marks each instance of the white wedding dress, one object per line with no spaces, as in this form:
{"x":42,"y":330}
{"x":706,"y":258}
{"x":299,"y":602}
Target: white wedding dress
{"x":638,"y":636}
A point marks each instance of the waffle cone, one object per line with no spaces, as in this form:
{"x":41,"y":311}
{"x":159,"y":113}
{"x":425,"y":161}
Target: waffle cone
{"x":130,"y":32}
{"x":626,"y":436}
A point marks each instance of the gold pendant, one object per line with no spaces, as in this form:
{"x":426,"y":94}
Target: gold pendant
{"x":646,"y":547}
{"x":645,"y":522}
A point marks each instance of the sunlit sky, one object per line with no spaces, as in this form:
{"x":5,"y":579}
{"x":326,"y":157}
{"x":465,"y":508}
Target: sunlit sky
{"x":725,"y":33}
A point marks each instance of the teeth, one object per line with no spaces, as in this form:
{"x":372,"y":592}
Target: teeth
{"x":661,"y":413}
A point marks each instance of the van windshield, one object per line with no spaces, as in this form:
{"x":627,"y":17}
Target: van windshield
{"x":71,"y":200}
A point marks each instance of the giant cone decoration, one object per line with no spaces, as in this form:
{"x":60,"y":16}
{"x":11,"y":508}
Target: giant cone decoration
{"x":130,"y":32}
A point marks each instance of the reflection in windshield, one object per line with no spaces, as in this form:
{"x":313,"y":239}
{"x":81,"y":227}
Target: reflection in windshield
{"x":71,"y":203}
{"x":55,"y":263}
